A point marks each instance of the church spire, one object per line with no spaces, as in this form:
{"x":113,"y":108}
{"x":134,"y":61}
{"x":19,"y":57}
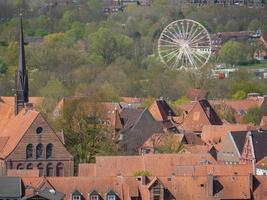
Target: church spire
{"x":22,"y":89}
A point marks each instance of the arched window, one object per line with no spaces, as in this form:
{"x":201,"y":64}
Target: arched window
{"x":20,"y":166}
{"x":49,"y":150}
{"x":49,"y":169}
{"x":60,"y":169}
{"x":29,"y":150}
{"x":39,"y":151}
{"x":40,"y":167}
{"x":29,"y":166}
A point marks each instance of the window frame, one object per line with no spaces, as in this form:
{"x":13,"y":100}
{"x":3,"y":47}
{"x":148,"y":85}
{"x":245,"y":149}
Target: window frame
{"x":76,"y":197}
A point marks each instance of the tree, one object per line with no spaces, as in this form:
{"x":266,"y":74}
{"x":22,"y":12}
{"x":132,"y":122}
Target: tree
{"x":240,"y":94}
{"x":3,"y":66}
{"x":109,"y":46}
{"x":254,"y":25}
{"x":232,"y":25}
{"x":254,"y":47}
{"x":85,"y":136}
{"x":231,"y":53}
{"x":170,"y":145}
{"x":253,"y":115}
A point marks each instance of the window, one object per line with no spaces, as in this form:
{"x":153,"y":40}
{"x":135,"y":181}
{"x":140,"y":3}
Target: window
{"x":39,"y":151}
{"x":111,"y":197}
{"x":40,"y":166}
{"x":20,"y":166}
{"x":60,"y":169}
{"x":29,"y":166}
{"x":94,"y":197}
{"x":39,"y":130}
{"x":29,"y":150}
{"x":49,"y":150}
{"x":49,"y":170}
{"x":76,"y":197}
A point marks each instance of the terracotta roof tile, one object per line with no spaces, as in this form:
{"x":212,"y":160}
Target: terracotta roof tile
{"x":214,"y":134}
{"x":128,"y":165}
{"x":7,"y":107}
{"x":195,"y":94}
{"x":160,"y":110}
{"x":15,"y":129}
{"x":201,"y":114}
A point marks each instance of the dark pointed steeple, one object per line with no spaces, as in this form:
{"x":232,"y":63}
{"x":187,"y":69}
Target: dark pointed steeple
{"x":22,"y":88}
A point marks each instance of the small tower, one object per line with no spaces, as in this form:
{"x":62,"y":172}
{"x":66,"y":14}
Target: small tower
{"x":21,"y":79}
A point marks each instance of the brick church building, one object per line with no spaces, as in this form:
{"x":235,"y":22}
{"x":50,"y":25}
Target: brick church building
{"x":27,"y":140}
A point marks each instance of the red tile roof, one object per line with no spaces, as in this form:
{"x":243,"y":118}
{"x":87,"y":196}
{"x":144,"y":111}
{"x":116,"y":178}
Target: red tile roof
{"x":128,"y":165}
{"x":160,"y":110}
{"x":195,"y":94}
{"x":7,"y":107}
{"x":15,"y":129}
{"x":214,"y":134}
{"x":180,"y":187}
{"x":200,"y":115}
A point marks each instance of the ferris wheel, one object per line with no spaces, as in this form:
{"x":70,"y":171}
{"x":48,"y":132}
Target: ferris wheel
{"x":184,"y":44}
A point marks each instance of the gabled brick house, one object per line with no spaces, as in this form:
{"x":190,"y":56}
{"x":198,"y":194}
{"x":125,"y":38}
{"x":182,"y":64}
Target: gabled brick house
{"x":27,"y":140}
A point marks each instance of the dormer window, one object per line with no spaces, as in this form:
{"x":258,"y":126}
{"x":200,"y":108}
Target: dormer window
{"x":111,"y":195}
{"x":76,"y":195}
{"x":94,"y":195}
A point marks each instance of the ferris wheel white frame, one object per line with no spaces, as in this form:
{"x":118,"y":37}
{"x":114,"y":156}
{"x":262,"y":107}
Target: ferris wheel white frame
{"x":184,"y":44}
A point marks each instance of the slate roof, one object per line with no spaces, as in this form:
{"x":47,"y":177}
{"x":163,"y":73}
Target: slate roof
{"x":259,"y":140}
{"x":137,"y":129}
{"x":239,"y":138}
{"x":10,"y":187}
{"x":129,"y":116}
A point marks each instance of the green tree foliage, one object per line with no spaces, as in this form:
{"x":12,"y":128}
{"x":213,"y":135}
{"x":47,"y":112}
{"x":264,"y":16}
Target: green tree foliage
{"x":254,"y":25}
{"x":3,"y":66}
{"x":142,"y":173}
{"x":240,"y":94}
{"x":170,"y":145}
{"x":85,"y":136}
{"x":182,"y":100}
{"x":253,"y":116}
{"x":246,"y":87}
{"x":231,"y":53}
{"x":107,"y":45}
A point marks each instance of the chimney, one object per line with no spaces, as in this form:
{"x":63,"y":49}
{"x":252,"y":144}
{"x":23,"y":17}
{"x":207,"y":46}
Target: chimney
{"x":142,"y":179}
